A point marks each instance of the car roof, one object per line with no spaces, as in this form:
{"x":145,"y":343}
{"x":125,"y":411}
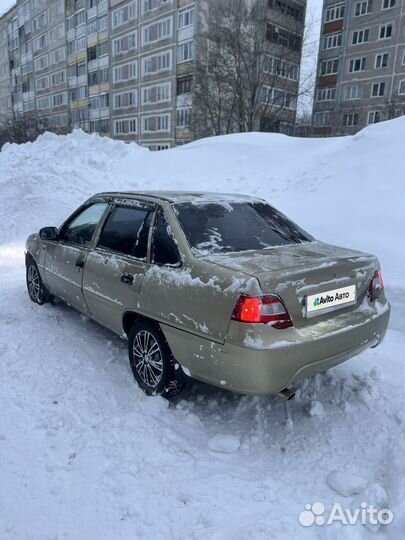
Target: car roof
{"x":181,"y":196}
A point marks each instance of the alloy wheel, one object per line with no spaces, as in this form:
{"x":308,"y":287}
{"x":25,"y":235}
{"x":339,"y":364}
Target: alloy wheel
{"x":148,"y":358}
{"x":33,"y":282}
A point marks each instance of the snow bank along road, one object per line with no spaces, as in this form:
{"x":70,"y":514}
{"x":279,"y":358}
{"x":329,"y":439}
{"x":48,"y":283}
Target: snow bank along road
{"x":85,"y":455}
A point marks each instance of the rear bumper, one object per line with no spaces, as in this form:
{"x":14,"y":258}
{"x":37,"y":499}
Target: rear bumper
{"x":266,"y":366}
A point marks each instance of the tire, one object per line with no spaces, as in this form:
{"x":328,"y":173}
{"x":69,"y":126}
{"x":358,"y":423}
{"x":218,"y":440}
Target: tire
{"x":151,"y":361}
{"x":37,"y":291}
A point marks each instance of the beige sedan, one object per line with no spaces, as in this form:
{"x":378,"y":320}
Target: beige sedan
{"x":216,"y":287}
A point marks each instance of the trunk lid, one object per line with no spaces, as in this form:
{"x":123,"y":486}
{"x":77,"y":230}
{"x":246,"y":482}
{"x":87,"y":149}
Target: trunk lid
{"x":296,"y":271}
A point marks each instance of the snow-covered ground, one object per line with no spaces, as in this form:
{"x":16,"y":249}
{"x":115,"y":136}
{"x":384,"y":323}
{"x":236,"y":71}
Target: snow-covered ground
{"x":85,"y":455}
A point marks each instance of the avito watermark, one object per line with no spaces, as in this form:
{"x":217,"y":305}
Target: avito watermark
{"x":314,"y":514}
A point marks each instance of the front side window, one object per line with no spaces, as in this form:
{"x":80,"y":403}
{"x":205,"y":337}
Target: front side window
{"x":81,"y":228}
{"x":127,"y":230}
{"x":220,"y":227}
{"x":164,"y":250}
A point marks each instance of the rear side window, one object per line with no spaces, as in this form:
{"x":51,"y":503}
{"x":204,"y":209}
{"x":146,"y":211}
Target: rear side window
{"x":126,"y":231}
{"x":81,"y":228}
{"x":219,"y":227}
{"x":164,"y":249}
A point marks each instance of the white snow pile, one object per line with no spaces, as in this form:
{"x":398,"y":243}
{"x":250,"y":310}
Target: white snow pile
{"x":84,"y":454}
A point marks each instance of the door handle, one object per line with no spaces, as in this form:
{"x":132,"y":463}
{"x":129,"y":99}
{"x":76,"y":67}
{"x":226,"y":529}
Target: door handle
{"x":127,"y":278}
{"x":79,"y":263}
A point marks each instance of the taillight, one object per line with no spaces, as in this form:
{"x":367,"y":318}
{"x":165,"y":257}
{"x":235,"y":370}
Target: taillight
{"x":376,"y":286}
{"x":262,"y":309}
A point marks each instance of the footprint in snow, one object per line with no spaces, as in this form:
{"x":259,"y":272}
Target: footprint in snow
{"x":226,"y":444}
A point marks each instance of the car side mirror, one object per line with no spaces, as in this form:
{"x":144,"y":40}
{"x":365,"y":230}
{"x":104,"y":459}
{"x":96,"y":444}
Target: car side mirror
{"x":48,"y":233}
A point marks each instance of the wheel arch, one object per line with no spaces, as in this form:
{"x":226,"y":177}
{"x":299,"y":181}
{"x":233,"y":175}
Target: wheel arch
{"x":129,"y":318}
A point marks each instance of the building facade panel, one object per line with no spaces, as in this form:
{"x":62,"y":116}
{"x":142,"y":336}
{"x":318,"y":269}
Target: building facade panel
{"x":126,"y":68}
{"x":359,"y":75}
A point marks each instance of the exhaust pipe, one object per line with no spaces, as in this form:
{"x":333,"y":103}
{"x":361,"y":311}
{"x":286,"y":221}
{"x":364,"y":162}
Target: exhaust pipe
{"x":286,"y":394}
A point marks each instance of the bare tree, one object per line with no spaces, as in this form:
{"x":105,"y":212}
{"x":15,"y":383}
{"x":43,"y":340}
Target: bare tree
{"x":25,"y":128}
{"x":246,"y":71}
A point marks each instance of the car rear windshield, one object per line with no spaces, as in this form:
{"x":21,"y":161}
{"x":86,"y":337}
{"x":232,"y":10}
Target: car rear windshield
{"x":220,"y":227}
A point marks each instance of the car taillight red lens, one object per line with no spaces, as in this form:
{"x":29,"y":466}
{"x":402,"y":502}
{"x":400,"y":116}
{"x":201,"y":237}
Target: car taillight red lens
{"x":262,"y":309}
{"x":376,"y":286}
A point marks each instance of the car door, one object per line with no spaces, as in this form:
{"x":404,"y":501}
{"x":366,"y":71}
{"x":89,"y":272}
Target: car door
{"x":115,"y":268}
{"x":66,"y":257}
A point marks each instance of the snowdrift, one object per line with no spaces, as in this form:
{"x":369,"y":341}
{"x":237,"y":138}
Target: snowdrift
{"x":85,"y":454}
{"x":347,"y":190}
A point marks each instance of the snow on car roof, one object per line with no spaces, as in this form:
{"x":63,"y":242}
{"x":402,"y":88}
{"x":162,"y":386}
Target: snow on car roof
{"x":183,"y":196}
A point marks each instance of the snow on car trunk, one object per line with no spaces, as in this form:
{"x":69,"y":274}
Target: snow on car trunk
{"x":84,"y":454}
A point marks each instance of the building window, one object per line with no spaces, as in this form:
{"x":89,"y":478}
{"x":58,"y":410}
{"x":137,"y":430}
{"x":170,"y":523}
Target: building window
{"x":78,"y":93}
{"x":185,"y":52}
{"x":322,"y":119}
{"x":273,"y":96}
{"x":100,"y":126}
{"x":76,"y":70}
{"x":58,"y":78}
{"x":58,"y":55}
{"x":326,"y":94}
{"x":157,"y":31}
{"x":332,"y":41}
{"x":381,"y":60}
{"x":125,"y":44}
{"x":282,"y":37}
{"x":291,"y":9}
{"x":42,"y":62}
{"x":387,"y":4}
{"x":281,"y":68}
{"x":183,"y":117}
{"x":360,"y":36}
{"x":350,"y":119}
{"x":374,"y":117}
{"x":334,"y":13}
{"x":40,"y":22}
{"x":79,"y":18}
{"x":152,"y":124}
{"x":43,"y":103}
{"x":184,"y":85}
{"x":40,"y":43}
{"x":357,"y":64}
{"x":330,"y":67}
{"x":42,"y":83}
{"x":157,"y":62}
{"x":185,"y":17}
{"x":126,"y":72}
{"x":56,"y":10}
{"x":158,"y":93}
{"x":385,"y":31}
{"x":401,"y":88}
{"x":124,"y":15}
{"x":58,"y":100}
{"x":57,"y":33}
{"x":352,"y":92}
{"x":99,"y":77}
{"x":128,"y":126}
{"x":125,"y":100}
{"x":101,"y":101}
{"x":378,"y":89}
{"x":362,"y":8}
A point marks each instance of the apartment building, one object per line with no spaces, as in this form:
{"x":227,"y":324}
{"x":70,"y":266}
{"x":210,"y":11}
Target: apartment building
{"x":361,"y":68}
{"x":5,"y":75}
{"x":125,"y":68}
